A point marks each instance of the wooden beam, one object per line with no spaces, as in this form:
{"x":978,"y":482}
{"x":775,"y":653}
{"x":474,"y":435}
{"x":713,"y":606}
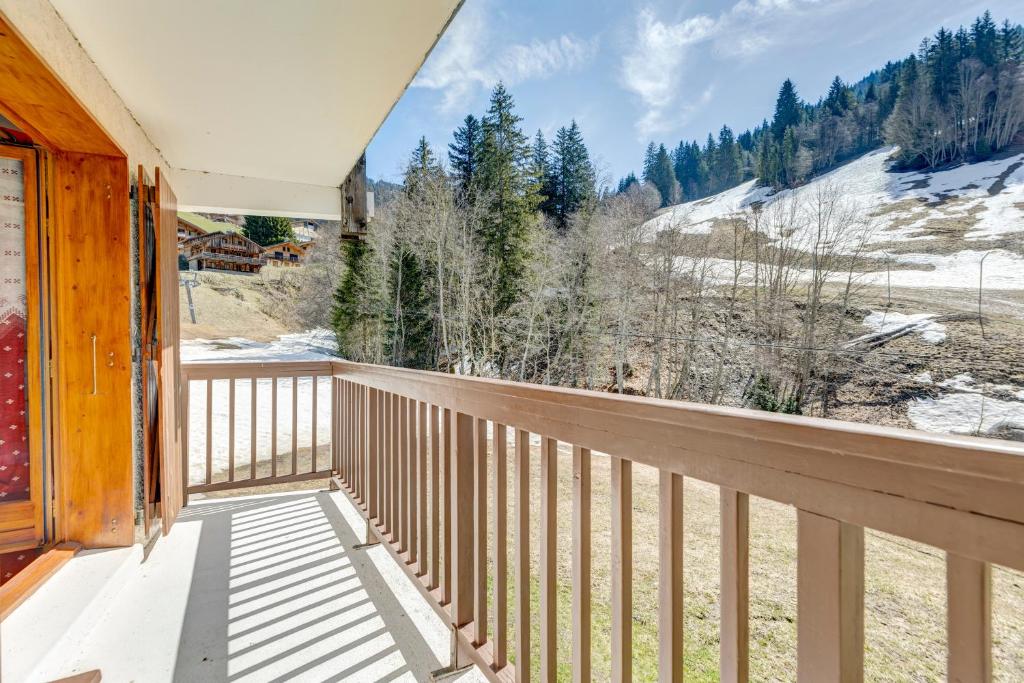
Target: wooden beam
{"x":28,"y":580}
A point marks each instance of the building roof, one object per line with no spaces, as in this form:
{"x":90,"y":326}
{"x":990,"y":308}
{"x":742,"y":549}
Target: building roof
{"x":199,"y":238}
{"x":297,"y":245}
{"x":205,"y":224}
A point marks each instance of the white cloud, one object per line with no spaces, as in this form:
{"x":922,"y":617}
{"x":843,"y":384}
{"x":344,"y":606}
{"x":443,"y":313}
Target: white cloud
{"x":466,"y":59}
{"x":654,"y":66}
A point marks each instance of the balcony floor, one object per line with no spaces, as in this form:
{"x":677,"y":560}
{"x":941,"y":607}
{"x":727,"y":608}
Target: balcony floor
{"x":260,"y":588}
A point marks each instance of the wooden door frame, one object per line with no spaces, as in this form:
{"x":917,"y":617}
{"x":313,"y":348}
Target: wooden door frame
{"x":37,"y":389}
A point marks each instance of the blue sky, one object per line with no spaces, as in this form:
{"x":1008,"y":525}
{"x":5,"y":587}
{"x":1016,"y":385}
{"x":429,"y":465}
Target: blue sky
{"x":631,"y":72}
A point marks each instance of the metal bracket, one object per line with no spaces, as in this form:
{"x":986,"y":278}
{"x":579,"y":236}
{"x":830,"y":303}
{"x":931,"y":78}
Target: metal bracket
{"x":453,"y":668}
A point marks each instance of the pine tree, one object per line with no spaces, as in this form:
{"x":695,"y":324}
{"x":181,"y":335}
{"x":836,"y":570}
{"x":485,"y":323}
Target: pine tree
{"x":942,"y":61}
{"x":541,"y":173}
{"x":464,"y":153}
{"x":504,"y":178}
{"x":840,"y":98}
{"x":1011,"y":43}
{"x":267,"y":230}
{"x":356,"y":314}
{"x":984,"y":37}
{"x":627,"y":182}
{"x":650,"y":157}
{"x":727,"y":162}
{"x":788,"y":110}
{"x":574,"y":175}
{"x":663,"y":177}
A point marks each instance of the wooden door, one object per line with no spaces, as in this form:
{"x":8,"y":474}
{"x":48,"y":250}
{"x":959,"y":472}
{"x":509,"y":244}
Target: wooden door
{"x":172,"y":465}
{"x":23,"y":467}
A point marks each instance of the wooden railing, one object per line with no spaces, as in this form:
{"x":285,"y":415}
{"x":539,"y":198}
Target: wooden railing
{"x":412,"y":452}
{"x":285,"y":435}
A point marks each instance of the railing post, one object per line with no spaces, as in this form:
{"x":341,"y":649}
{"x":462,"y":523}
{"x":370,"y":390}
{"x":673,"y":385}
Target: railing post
{"x":372,"y":453}
{"x":622,"y":569}
{"x":522,"y":511}
{"x":581,"y":564}
{"x":480,"y":532}
{"x":335,"y":418}
{"x":968,"y":619}
{"x":461,"y":549}
{"x":670,"y":576}
{"x":548,"y":558}
{"x":830,"y":600}
{"x":734,"y":659}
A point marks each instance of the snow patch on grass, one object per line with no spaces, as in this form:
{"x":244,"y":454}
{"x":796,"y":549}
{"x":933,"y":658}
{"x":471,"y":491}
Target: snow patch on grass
{"x":965,"y":413}
{"x":888,"y":323}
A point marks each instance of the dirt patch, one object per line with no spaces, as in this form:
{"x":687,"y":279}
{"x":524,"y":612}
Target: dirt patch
{"x":230,"y":305}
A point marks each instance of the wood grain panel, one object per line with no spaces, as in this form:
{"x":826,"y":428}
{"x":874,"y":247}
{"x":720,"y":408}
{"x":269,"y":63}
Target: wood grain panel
{"x":91,"y":298}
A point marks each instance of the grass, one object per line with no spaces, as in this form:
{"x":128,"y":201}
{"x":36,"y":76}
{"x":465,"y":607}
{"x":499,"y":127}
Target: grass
{"x":905,"y":619}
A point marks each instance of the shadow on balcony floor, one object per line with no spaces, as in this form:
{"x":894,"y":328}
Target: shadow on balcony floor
{"x":267,"y":588}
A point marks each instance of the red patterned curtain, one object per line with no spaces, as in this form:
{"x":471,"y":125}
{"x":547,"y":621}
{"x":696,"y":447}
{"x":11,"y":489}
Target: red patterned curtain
{"x":14,"y":458}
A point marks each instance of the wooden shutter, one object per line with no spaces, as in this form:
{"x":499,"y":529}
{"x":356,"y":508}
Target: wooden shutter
{"x":170,"y":417}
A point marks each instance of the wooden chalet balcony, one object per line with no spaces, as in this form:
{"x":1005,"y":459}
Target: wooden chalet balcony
{"x":429,"y":460}
{"x":229,"y":257}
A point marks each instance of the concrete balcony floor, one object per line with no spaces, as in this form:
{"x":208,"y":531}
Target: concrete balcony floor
{"x":259,"y":588}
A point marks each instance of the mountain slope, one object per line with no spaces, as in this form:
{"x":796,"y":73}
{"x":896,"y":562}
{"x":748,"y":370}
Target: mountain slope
{"x":935,"y":226}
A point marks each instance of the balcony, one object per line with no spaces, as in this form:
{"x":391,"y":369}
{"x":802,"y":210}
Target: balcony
{"x":470,"y":490}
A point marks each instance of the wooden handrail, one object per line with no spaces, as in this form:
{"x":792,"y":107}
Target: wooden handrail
{"x":960,"y":494}
{"x":424,"y":456}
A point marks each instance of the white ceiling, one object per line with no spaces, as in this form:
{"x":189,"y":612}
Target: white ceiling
{"x":288,"y":90}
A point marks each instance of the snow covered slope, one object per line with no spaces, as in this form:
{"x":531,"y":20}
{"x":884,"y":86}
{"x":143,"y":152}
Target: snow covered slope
{"x":944,"y":221}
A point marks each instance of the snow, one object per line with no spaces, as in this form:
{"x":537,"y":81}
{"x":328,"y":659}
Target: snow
{"x":923,"y":377}
{"x":317,"y":344}
{"x":969,"y":408}
{"x":996,"y":211}
{"x":965,"y":413}
{"x":884,"y":323}
{"x":313,"y":345}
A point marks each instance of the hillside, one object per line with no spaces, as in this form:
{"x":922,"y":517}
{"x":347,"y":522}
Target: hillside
{"x":912,"y":351}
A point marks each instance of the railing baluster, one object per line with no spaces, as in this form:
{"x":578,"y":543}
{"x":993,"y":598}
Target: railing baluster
{"x":480,"y":532}
{"x":386,"y":463}
{"x":968,"y":619}
{"x":421,"y":492}
{"x":381,"y":456}
{"x":434,"y":578}
{"x":622,"y":569}
{"x":522,"y":550}
{"x":209,"y":431}
{"x":548,"y":559}
{"x":186,"y":425}
{"x":447,"y":474}
{"x":402,"y":476}
{"x":336,"y":466}
{"x":500,"y":496}
{"x":735,"y":522}
{"x":581,"y":564}
{"x":295,"y":425}
{"x":231,"y":429}
{"x":462,"y":519}
{"x":252,"y":427}
{"x":273,"y":426}
{"x":314,"y":380}
{"x":670,"y":576}
{"x":409,"y":478}
{"x":395,"y":519}
{"x":372,"y":453}
{"x":830,"y":599}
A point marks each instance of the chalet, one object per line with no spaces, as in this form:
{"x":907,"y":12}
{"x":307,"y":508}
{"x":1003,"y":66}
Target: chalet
{"x":446,"y":500}
{"x":288,"y":254}
{"x":226,"y":251}
{"x":187,"y":230}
